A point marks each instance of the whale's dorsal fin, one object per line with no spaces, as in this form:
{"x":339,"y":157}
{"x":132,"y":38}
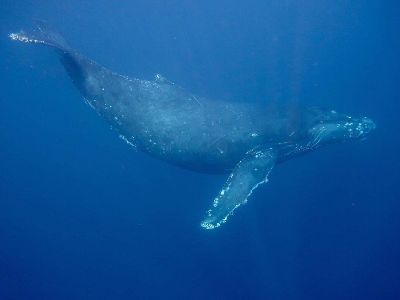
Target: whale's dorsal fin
{"x":161,"y":79}
{"x":248,"y":174}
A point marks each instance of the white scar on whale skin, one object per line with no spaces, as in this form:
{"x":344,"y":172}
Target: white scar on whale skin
{"x":122,"y":137}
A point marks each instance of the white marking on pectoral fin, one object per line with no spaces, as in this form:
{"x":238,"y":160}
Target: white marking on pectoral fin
{"x":249,"y":173}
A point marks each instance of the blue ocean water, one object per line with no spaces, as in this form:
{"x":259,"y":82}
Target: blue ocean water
{"x":83,"y":216}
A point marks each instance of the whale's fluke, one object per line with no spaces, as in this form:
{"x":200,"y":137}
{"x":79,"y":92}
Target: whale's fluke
{"x":87,"y":75}
{"x":42,"y":34}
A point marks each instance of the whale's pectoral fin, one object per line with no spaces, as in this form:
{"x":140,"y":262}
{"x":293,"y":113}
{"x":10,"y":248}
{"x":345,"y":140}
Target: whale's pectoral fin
{"x":248,"y":174}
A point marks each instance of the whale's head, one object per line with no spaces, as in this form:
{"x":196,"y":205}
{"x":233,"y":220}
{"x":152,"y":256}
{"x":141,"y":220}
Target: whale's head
{"x":330,"y":127}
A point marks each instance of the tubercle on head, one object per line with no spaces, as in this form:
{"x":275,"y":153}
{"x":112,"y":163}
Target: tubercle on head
{"x":339,"y":128}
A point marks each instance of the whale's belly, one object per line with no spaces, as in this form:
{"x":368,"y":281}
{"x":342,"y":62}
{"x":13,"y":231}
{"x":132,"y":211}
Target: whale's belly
{"x":192,"y":137}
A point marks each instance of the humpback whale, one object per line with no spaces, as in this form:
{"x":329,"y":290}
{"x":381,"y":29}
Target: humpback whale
{"x":168,"y":122}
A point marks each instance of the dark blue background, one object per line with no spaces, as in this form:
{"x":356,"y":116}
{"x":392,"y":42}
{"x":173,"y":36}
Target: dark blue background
{"x":83,"y":216}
